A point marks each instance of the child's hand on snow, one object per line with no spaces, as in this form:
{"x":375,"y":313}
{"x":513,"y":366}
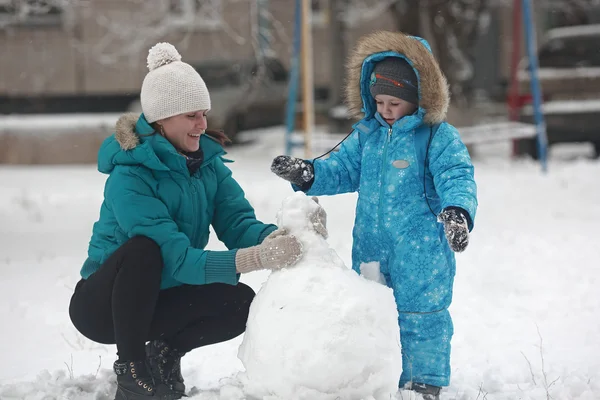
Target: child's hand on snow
{"x":278,"y":252}
{"x":318,"y":219}
{"x":455,"y":228}
{"x":294,"y":170}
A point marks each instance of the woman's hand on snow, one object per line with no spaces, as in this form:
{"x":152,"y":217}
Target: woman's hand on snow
{"x":294,"y":170}
{"x":318,"y":219}
{"x":455,"y":228}
{"x":278,"y":252}
{"x":276,"y":233}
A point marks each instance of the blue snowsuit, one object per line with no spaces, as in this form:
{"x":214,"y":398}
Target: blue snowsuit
{"x":402,"y":173}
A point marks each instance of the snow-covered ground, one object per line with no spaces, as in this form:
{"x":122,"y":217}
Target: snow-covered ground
{"x":526,"y":299}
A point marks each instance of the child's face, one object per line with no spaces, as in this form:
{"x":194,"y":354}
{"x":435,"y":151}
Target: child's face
{"x":392,"y":108}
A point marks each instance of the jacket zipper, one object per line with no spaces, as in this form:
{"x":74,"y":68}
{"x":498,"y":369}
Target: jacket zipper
{"x":196,"y":200}
{"x":194,"y":211}
{"x":384,"y":170}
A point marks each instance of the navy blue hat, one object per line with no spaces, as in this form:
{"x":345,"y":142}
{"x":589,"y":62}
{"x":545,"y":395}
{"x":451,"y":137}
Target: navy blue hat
{"x":395,"y":77}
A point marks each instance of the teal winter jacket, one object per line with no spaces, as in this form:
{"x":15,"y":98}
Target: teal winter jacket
{"x":150,"y":192}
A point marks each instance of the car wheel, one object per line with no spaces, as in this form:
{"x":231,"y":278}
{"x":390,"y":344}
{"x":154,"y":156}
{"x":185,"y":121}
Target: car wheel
{"x":527,"y":147}
{"x":135,"y":106}
{"x":597,"y":150}
{"x":232,"y":127}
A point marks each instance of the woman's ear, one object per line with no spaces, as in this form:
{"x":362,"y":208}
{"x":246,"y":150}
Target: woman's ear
{"x":159,"y":127}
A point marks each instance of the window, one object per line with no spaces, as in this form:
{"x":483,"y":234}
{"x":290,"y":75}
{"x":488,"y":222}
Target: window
{"x":219,"y":75}
{"x":196,"y":13}
{"x":276,"y":70}
{"x":30,"y":12}
{"x":571,"y":52}
{"x":320,"y":12}
{"x":270,"y":68}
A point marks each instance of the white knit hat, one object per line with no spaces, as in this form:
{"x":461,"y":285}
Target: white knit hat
{"x":171,"y":87}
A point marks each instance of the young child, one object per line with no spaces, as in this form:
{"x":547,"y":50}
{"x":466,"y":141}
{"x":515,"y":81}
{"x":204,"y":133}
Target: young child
{"x":417,"y":195}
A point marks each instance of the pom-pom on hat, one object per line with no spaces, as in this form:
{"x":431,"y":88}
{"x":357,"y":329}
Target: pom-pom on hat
{"x":171,"y":87}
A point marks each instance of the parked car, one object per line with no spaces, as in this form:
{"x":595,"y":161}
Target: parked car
{"x":244,"y":94}
{"x":569,"y":73}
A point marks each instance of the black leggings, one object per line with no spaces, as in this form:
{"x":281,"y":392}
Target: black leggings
{"x":122,"y":304}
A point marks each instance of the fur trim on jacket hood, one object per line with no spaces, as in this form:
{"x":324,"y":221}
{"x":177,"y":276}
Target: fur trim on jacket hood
{"x":434,"y":93}
{"x":125,"y":131}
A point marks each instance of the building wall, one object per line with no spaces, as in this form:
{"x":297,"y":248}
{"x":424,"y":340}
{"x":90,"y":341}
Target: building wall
{"x":79,"y":57}
{"x":75,"y":58}
{"x":36,"y":60}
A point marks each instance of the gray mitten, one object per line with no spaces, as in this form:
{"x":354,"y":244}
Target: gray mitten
{"x":294,"y":170}
{"x":455,"y":228}
{"x":278,"y":252}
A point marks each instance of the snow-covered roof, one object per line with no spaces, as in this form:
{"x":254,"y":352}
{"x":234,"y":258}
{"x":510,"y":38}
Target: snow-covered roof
{"x":573,"y":31}
{"x":57,"y":123}
{"x":566,"y":107}
{"x":545,"y":73}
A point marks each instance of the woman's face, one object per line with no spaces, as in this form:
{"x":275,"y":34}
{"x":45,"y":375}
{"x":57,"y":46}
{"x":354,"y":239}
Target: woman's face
{"x":184,"y":130}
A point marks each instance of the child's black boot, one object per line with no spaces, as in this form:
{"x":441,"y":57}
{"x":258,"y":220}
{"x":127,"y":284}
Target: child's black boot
{"x":429,"y":392}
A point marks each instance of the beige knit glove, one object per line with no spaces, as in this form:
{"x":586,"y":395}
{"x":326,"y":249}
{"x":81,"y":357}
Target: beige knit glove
{"x":276,"y":233}
{"x":318,"y":219}
{"x":278,"y":252}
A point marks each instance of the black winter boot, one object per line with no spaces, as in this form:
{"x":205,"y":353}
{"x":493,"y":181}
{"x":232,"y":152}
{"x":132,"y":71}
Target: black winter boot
{"x":428,"y":392}
{"x":135,"y":382}
{"x":165,"y":365}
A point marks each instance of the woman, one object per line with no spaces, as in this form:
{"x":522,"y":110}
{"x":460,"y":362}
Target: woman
{"x":148,"y":276}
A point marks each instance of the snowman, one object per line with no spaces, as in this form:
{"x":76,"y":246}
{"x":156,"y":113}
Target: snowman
{"x":318,"y":330}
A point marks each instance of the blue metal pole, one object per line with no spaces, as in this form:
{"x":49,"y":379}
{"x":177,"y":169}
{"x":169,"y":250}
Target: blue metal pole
{"x":536,"y":92}
{"x":264,"y":28}
{"x":293,"y":81}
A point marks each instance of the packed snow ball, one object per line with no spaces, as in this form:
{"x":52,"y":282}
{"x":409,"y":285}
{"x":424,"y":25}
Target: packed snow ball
{"x":162,"y":54}
{"x":318,"y":330}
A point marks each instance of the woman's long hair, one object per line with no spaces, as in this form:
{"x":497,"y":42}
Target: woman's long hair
{"x":219,"y":136}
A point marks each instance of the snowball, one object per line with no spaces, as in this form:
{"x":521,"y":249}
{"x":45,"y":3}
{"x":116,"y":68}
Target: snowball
{"x":162,"y":54}
{"x":318,"y":330}
{"x":371,"y":271}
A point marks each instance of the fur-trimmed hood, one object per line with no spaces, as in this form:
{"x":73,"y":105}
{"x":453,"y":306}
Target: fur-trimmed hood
{"x":434,"y":93}
{"x":125,"y":131}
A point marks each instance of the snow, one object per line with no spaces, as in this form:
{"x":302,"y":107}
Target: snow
{"x":546,"y":74}
{"x":372,"y":271}
{"x":531,"y":266}
{"x":318,"y":330}
{"x":566,"y":107}
{"x":57,"y":123}
{"x":339,"y":111}
{"x":361,"y":10}
{"x":572,"y":31}
{"x":496,"y":132}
